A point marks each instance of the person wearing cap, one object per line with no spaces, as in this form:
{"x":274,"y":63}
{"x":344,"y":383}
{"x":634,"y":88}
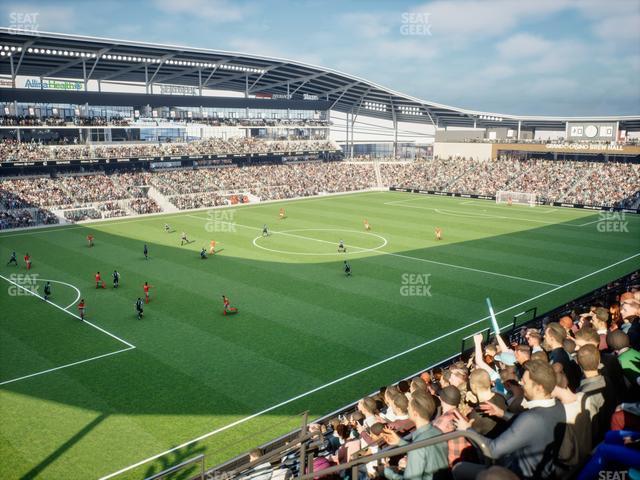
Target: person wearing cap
{"x":449,"y":400}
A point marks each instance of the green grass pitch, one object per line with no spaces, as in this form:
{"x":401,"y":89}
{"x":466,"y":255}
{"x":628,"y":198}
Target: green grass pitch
{"x":306,"y":337}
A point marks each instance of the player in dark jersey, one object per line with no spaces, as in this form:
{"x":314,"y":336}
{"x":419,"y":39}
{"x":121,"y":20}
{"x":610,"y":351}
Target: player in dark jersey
{"x":116,"y":279}
{"x":47,"y":290}
{"x":184,"y":239}
{"x":341,"y":247}
{"x":146,"y":252}
{"x":81,"y":307}
{"x":265,"y":230}
{"x":13,"y":259}
{"x":203,"y":254}
{"x":347,"y":269}
{"x":139,"y":308}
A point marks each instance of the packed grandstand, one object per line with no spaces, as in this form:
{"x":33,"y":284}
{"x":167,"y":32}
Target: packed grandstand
{"x":556,"y":399}
{"x":94,"y":196}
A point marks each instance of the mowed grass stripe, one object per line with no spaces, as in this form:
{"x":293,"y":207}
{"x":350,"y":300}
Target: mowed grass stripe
{"x":301,"y":325}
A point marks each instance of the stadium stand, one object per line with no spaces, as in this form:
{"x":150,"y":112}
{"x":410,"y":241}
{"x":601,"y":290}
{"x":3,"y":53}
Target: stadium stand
{"x":612,"y":184}
{"x":547,"y":399}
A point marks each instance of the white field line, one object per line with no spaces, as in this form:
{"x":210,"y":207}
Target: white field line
{"x":363,"y":250}
{"x":476,"y":215}
{"x":68,"y":312}
{"x":68,"y":285}
{"x":402,"y":203}
{"x":67,"y":365}
{"x":588,"y":223}
{"x":357,"y":372}
{"x":539,"y":209}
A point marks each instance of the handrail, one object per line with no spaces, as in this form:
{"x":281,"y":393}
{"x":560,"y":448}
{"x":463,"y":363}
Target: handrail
{"x":473,"y":437}
{"x":619,"y":284}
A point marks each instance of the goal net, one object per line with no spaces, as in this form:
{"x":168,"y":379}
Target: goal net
{"x":516,"y":198}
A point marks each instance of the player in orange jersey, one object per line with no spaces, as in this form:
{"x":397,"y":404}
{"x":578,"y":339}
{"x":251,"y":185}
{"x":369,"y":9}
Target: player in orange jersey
{"x":146,"y":288}
{"x":438,"y":233}
{"x":27,"y":261}
{"x":282,"y":214}
{"x":90,"y":240}
{"x":366,"y":224}
{"x":212,"y":247}
{"x":228,"y":309}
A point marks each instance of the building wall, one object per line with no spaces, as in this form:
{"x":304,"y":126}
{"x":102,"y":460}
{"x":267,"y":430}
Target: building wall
{"x":477,"y":151}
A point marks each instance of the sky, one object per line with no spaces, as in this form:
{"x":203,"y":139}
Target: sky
{"x":540,"y":57}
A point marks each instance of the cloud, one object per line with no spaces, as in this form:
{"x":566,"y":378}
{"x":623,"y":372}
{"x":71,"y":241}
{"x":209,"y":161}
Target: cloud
{"x":43,"y":18}
{"x":485,"y":18}
{"x":523,"y":45}
{"x":211,"y":10}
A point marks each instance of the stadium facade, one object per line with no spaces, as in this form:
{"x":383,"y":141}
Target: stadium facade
{"x":66,"y":77}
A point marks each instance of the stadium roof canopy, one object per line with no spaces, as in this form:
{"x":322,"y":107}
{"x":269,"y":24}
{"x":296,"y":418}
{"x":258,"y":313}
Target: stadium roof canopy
{"x":54,"y":55}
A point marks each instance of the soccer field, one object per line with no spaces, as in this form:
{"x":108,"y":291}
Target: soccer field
{"x":84,"y":400}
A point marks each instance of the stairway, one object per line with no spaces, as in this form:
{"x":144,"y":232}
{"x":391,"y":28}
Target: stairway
{"x":161,"y":200}
{"x":376,"y":168}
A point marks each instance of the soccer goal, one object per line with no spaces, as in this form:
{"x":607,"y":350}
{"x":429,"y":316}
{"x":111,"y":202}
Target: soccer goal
{"x":516,"y":198}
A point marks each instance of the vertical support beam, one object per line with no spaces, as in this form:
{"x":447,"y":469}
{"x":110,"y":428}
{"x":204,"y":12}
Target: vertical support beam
{"x":200,"y":84}
{"x":99,"y":86}
{"x":13,"y":72}
{"x":346,"y":135}
{"x":353,"y":121}
{"x":395,"y":127}
{"x":146,"y":79}
{"x":84,"y":74}
{"x":246,"y":85}
{"x":519,"y":129}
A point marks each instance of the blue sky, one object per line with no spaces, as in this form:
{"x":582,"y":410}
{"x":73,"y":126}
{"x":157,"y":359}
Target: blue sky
{"x":564,"y":57}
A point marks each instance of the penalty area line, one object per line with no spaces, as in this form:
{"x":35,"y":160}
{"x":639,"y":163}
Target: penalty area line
{"x":357,"y":372}
{"x":67,"y":365}
{"x":68,"y":312}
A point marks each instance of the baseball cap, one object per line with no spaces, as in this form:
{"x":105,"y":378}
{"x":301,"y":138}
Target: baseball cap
{"x":450,"y":395}
{"x":508,"y":358}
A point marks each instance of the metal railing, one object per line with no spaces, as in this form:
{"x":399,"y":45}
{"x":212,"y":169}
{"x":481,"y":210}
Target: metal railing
{"x":295,"y":440}
{"x":474,"y":438}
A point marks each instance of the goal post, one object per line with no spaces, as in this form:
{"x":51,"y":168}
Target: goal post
{"x":516,"y":198}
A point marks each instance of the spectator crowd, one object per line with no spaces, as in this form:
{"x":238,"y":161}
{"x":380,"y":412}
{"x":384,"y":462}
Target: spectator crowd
{"x":14,"y":151}
{"x":555,"y":401}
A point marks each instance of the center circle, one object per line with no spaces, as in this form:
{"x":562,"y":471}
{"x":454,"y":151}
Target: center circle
{"x":292,"y":234}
